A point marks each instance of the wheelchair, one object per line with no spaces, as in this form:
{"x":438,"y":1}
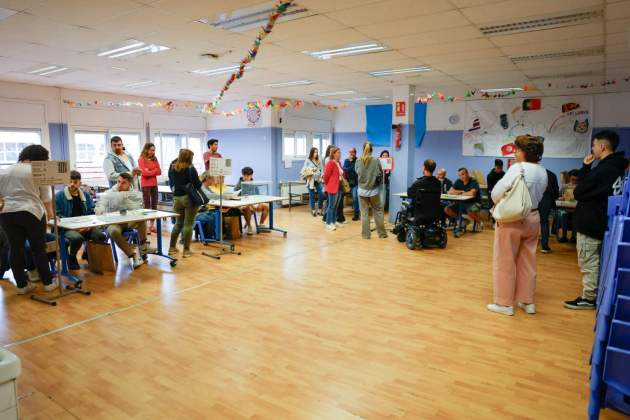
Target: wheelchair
{"x":419,"y":225}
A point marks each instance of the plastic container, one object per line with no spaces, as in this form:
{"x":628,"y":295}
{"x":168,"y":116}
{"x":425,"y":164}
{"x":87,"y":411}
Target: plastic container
{"x":10,"y":368}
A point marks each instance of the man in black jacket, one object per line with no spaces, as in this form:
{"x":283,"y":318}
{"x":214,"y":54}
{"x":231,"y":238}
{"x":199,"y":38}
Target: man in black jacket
{"x":547,"y":203}
{"x":590,"y":217}
{"x":424,"y":190}
{"x":493,"y":177}
{"x":353,"y":180}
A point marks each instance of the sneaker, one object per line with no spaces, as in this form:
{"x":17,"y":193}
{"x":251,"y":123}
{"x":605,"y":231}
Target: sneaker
{"x":546,"y":250}
{"x":52,"y":286}
{"x":172,"y":252}
{"x":383,"y":236}
{"x":500,"y":309}
{"x":339,"y":225}
{"x":24,"y":290}
{"x":137,"y":259}
{"x":33,"y":275}
{"x":345,"y":222}
{"x":331,"y":227}
{"x":250,"y":230}
{"x":73,"y":263}
{"x":187,"y":253}
{"x":529,"y":308}
{"x":314,"y":213}
{"x":579,"y":303}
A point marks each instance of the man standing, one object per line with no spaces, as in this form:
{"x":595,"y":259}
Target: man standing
{"x":118,"y":161}
{"x":466,"y":185}
{"x":353,"y":180}
{"x":123,"y":197}
{"x":212,"y":152}
{"x":590,"y":216}
{"x":494,"y":176}
{"x":72,"y":202}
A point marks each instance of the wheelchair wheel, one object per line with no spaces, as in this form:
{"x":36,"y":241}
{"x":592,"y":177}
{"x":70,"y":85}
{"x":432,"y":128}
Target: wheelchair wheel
{"x":412,"y":239}
{"x":401,"y":234}
{"x":443,"y":240}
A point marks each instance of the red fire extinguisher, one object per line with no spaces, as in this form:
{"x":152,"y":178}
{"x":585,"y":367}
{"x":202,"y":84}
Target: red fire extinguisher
{"x":398,"y":135}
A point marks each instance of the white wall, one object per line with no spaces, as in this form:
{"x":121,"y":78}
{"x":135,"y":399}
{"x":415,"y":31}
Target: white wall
{"x":610,"y":110}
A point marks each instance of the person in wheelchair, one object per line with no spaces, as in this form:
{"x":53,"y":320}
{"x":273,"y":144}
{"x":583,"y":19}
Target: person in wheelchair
{"x":419,"y":223}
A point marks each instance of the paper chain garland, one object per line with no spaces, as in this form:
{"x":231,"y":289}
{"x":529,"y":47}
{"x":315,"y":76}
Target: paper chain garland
{"x":281,"y":8}
{"x":170,"y":105}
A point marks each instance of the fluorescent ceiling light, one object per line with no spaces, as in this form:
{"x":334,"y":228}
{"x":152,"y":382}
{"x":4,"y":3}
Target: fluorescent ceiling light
{"x":218,"y":71}
{"x":131,"y":47}
{"x":48,"y":70}
{"x":252,"y":17}
{"x":495,"y":90}
{"x":363,"y":99}
{"x":365,"y":48}
{"x":144,"y":83}
{"x":394,"y":72}
{"x":293,"y":83}
{"x":6,"y":13}
{"x":542,"y":22}
{"x":587,"y":52}
{"x":342,"y":92}
{"x":119,"y":68}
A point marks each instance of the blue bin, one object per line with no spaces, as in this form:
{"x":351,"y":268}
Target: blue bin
{"x":617,"y":369}
{"x":620,"y":336}
{"x":618,"y":400}
{"x":622,"y":308}
{"x":623,"y":282}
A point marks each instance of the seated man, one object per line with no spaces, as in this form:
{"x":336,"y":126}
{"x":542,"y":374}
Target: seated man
{"x":122,"y":197}
{"x":466,"y":185}
{"x":423,"y":190}
{"x":72,"y":202}
{"x":248,"y":176}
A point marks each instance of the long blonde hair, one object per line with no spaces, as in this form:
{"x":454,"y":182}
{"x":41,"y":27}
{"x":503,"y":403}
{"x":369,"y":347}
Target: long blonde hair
{"x":184,"y":160}
{"x":367,"y":153}
{"x":145,"y":151}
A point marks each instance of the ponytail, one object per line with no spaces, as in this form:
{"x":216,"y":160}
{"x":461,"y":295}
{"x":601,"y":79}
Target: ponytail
{"x":367,"y":153}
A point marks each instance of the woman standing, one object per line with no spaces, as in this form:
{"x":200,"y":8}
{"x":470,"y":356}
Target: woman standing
{"x":324,"y":162}
{"x":332,"y":185}
{"x":150,"y":168}
{"x":24,"y":211}
{"x":312,"y":173}
{"x":181,"y":173}
{"x":369,"y":170}
{"x":385,"y":190}
{"x":515,"y":243}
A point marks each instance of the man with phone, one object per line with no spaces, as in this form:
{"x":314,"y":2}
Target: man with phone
{"x":590,"y":217}
{"x":118,"y":161}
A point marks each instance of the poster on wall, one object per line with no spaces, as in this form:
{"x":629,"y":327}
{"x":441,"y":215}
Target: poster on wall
{"x":564,"y":122}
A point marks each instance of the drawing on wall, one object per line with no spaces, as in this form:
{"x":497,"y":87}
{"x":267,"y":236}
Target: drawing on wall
{"x":565,"y":123}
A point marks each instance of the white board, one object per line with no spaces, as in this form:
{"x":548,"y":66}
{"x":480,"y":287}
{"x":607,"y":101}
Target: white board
{"x":564,"y":122}
{"x":50,"y":172}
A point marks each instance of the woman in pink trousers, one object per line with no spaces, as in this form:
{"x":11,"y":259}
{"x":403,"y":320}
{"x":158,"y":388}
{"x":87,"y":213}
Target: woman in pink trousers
{"x":515,"y":243}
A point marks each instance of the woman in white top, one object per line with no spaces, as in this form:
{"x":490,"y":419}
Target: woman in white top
{"x":312,"y":174}
{"x":515,"y":243}
{"x":23,"y":217}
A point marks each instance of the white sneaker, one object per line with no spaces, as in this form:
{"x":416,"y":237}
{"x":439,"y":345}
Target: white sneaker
{"x":33,"y":275}
{"x":500,"y":309}
{"x":330,"y":227}
{"x":529,"y":308}
{"x":24,"y":290}
{"x":52,"y":286}
{"x":339,"y":225}
{"x":137,"y":259}
{"x":250,"y":230}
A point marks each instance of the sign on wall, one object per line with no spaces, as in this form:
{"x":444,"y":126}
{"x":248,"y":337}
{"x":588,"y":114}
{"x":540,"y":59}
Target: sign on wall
{"x":564,"y":122}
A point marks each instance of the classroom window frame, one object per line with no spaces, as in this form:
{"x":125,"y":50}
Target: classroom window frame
{"x":183,"y":138}
{"x":15,"y":153}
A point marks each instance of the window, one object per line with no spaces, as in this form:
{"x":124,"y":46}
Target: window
{"x":167,"y":148}
{"x":13,"y":141}
{"x":321,"y":141}
{"x":294,"y":144}
{"x":90,"y":151}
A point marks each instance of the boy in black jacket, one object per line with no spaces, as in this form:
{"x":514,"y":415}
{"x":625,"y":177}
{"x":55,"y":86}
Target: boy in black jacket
{"x":545,"y":206}
{"x":590,"y":217}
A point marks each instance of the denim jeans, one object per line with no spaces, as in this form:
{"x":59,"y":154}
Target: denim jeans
{"x":355,"y":200}
{"x":207,"y":223}
{"x":331,"y":209}
{"x":320,"y":196}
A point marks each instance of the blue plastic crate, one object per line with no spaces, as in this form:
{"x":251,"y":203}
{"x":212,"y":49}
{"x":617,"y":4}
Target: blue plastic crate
{"x":623,"y":282}
{"x":618,"y":400}
{"x":622,"y":308}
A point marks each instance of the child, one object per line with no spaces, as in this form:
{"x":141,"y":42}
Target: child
{"x":248,"y":176}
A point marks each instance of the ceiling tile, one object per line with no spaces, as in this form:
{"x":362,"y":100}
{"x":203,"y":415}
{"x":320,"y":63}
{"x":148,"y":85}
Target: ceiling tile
{"x":433,"y":38}
{"x":514,"y":9}
{"x":387,"y":11}
{"x":450,"y":47}
{"x":618,"y":10}
{"x":415,"y":25}
{"x":326,"y":40}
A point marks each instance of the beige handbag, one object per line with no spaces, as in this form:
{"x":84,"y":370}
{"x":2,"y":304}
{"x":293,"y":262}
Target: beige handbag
{"x":515,"y":204}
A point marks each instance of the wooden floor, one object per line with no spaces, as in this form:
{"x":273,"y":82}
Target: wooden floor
{"x":315,"y":326}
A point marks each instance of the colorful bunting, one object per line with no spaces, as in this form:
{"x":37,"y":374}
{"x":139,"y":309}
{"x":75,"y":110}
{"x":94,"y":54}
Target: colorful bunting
{"x":281,"y":8}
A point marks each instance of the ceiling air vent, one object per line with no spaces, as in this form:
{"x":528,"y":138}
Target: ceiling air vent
{"x":252,"y":17}
{"x":543,"y":22}
{"x":562,"y":54}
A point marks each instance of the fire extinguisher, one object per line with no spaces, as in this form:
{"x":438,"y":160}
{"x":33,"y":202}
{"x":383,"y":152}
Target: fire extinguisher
{"x":398,"y":135}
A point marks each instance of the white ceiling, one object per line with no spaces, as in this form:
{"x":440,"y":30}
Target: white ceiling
{"x":441,"y":34}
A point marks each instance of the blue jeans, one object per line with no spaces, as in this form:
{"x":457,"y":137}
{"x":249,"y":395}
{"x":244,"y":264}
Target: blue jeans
{"x":355,"y":200}
{"x":207,"y":223}
{"x":320,"y":196}
{"x":544,"y":208}
{"x":331,"y":209}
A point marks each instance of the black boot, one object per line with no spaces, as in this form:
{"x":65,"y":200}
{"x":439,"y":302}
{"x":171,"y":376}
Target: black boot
{"x":73,"y":263}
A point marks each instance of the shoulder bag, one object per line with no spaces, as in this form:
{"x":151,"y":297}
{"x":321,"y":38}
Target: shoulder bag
{"x":516,"y":203}
{"x":197,"y":197}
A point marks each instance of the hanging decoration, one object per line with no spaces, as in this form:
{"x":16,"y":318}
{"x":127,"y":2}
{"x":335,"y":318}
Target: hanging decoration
{"x":171,"y":105}
{"x":281,"y":8}
{"x":438,"y":96}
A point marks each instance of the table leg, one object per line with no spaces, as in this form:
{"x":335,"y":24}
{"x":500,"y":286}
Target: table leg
{"x":219,"y":232}
{"x":289,"y":201}
{"x":271,"y":227}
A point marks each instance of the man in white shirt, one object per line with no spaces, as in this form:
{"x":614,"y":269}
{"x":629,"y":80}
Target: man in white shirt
{"x":118,"y":161}
{"x":120,"y":198}
{"x":23,"y":216}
